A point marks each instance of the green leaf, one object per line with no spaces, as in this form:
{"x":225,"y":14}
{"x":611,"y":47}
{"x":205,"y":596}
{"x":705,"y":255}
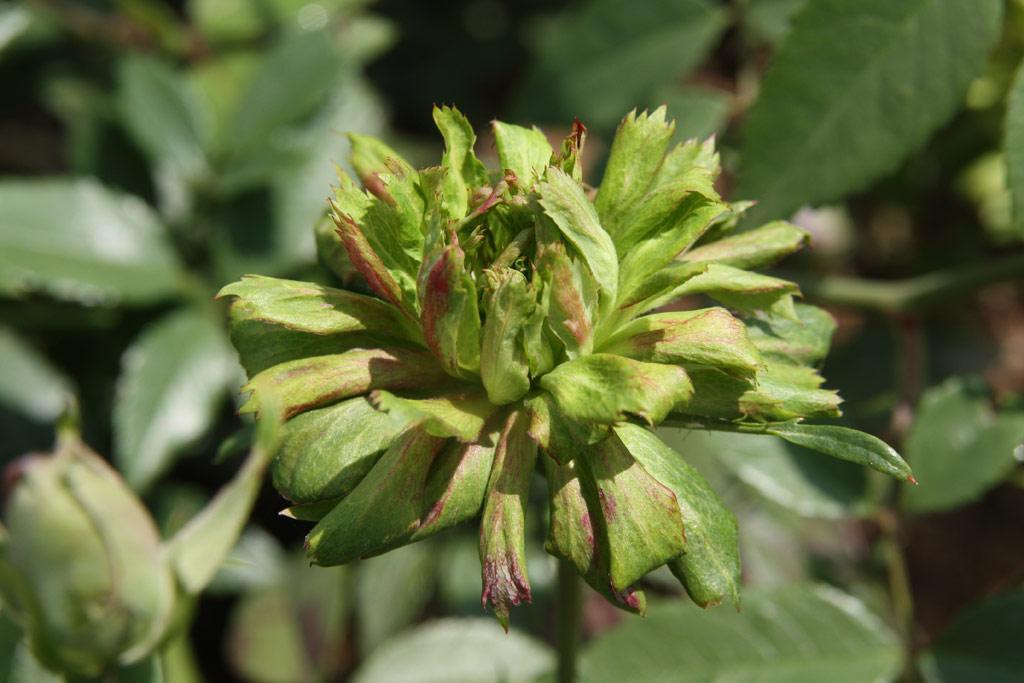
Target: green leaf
{"x":76,"y":240}
{"x":198,"y":549}
{"x":450,"y":318}
{"x":855,"y":104}
{"x":789,"y":476}
{"x":639,"y":515}
{"x":953,"y":420}
{"x":164,"y":116}
{"x":391,"y":591}
{"x":524,"y":151}
{"x":504,"y":366}
{"x":604,"y":388}
{"x":708,"y":337}
{"x":29,"y":383}
{"x":794,"y":634}
{"x":325,"y":452}
{"x":572,"y":297}
{"x":502,"y":525}
{"x":637,"y":152}
{"x":846,"y":444}
{"x":767,"y":398}
{"x":981,"y":645}
{"x":803,"y":342}
{"x":309,"y":307}
{"x":561,"y":438}
{"x":1013,"y":146}
{"x":752,"y":249}
{"x":576,"y":75}
{"x":383,"y":510}
{"x":575,"y":535}
{"x":742,"y":290}
{"x":458,"y":651}
{"x":710,"y":569}
{"x":465,"y":172}
{"x":310,"y":382}
{"x":276,"y":98}
{"x":458,"y":414}
{"x":769,"y":20}
{"x":173,"y":379}
{"x":569,"y":208}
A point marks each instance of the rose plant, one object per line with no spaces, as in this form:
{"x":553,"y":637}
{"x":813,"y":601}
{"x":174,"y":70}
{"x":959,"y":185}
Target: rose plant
{"x":525,"y":321}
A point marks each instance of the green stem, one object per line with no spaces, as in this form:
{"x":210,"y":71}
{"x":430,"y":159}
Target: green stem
{"x":916,"y":293}
{"x":569,"y":611}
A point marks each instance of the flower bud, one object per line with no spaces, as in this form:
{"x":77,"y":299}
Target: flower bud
{"x":81,"y":568}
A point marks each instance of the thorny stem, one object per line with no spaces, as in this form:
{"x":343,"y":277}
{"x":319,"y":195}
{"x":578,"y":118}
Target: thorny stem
{"x":569,"y":612}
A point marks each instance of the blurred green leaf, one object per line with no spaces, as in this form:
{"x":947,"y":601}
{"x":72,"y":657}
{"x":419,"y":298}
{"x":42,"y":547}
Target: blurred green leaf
{"x":854,"y":90}
{"x":293,"y":630}
{"x":294,"y":77}
{"x":257,"y":561}
{"x":25,"y":669}
{"x":199,"y":548}
{"x":392,"y":590}
{"x":983,"y":644}
{"x":795,"y":478}
{"x":75,"y":239}
{"x":604,"y":57}
{"x":769,"y":20}
{"x":164,"y":115}
{"x":790,"y":634}
{"x":1014,"y":148}
{"x":699,"y":112}
{"x":28,"y":382}
{"x":959,"y":445}
{"x":15,"y":20}
{"x":458,"y":651}
{"x":174,"y":377}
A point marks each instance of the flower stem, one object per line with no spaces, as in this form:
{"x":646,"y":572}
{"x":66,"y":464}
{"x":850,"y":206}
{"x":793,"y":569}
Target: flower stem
{"x":569,"y":602}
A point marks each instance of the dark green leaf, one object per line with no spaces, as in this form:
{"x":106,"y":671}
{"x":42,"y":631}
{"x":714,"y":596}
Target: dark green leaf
{"x":793,"y":634}
{"x":458,"y":651}
{"x":637,"y":513}
{"x":604,"y":388}
{"x":576,"y":535}
{"x":325,"y":452}
{"x":164,"y":116}
{"x":805,"y":342}
{"x":789,"y":476}
{"x":959,"y":445}
{"x":846,"y":444}
{"x":981,"y":645}
{"x":575,"y":73}
{"x":174,"y":377}
{"x":816,"y":134}
{"x":74,"y":239}
{"x":710,"y":569}
{"x":383,"y":510}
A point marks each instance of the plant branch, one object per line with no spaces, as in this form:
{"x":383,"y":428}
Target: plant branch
{"x":913,"y":294}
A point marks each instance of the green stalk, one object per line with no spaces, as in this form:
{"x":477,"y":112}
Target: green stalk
{"x":916,"y":293}
{"x":569,"y":611}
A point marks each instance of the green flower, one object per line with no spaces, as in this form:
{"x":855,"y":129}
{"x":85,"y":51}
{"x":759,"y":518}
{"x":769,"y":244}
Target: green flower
{"x":516,"y":328}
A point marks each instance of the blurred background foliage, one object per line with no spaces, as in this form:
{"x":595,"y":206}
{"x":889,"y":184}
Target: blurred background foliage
{"x":151,"y":152}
